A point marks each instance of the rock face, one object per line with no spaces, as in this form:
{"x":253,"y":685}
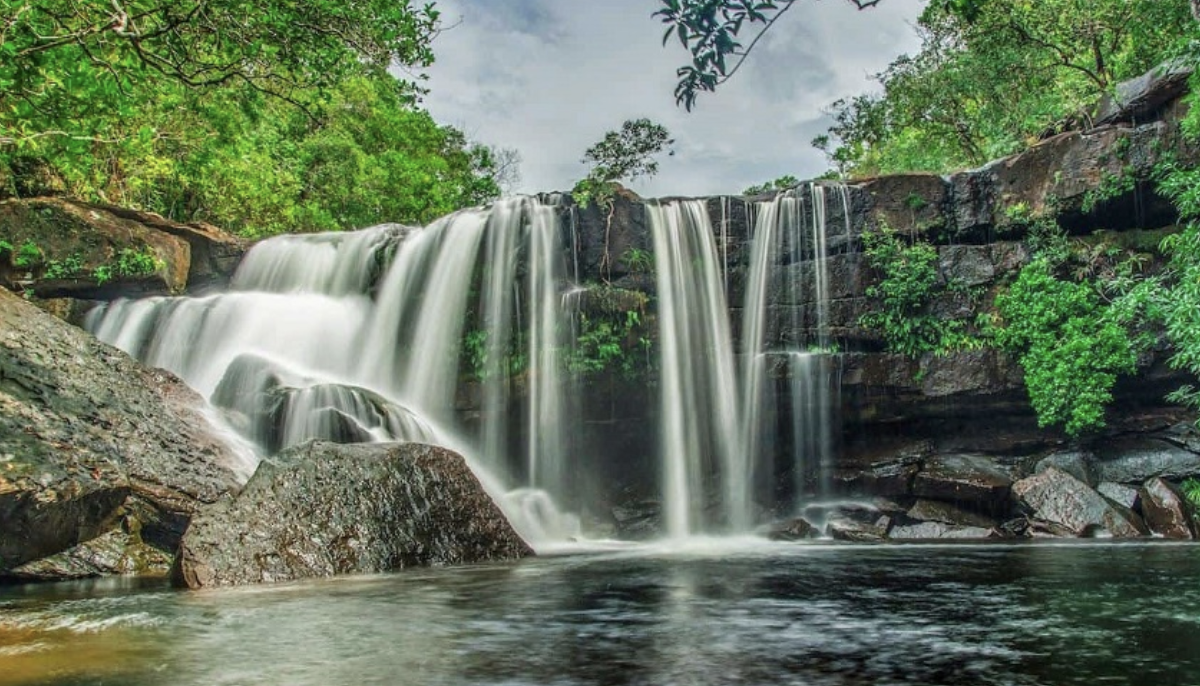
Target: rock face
{"x":92,"y":442}
{"x":329,"y":509}
{"x":60,"y":248}
{"x":1067,"y":504}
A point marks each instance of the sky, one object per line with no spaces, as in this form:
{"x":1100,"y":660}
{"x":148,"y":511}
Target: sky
{"x":550,"y":77}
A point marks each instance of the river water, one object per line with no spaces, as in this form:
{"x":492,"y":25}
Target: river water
{"x":715,"y":613}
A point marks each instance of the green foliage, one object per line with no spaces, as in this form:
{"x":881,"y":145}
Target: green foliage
{"x":1111,"y":186}
{"x":1068,"y":343}
{"x":262,"y":118}
{"x":781,"y":184}
{"x":710,"y":31}
{"x":626,"y":154}
{"x":1173,"y":297}
{"x":907,"y":286}
{"x":989,"y":82}
{"x":67,"y":268}
{"x":476,"y":356}
{"x":28,"y":255}
{"x":610,"y":343}
{"x":611,"y":334}
{"x":638,"y":260}
{"x":1191,"y":489}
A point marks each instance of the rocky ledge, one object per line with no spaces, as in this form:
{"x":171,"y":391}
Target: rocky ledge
{"x":322,"y":509}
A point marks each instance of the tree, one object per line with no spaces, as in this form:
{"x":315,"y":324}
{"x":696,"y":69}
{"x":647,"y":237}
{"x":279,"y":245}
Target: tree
{"x":622,"y":155}
{"x":262,"y":117}
{"x":710,"y":29}
{"x":983,"y":88}
{"x":626,"y":154}
{"x":780,"y":184}
{"x":61,"y":60}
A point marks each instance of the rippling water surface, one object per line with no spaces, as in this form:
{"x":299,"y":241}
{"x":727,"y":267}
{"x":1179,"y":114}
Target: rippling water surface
{"x":712,"y":614}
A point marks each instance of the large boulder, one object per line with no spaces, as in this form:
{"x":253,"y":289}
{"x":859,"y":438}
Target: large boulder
{"x":92,"y":442}
{"x":322,"y":509}
{"x":1061,"y":504}
{"x":974,"y":481}
{"x":1135,"y":460}
{"x":1167,"y":511}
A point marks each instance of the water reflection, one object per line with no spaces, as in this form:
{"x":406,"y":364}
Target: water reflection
{"x":1034,"y":614}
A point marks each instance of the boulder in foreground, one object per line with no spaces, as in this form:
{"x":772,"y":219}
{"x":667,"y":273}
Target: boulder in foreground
{"x":91,"y":442}
{"x":322,"y":509}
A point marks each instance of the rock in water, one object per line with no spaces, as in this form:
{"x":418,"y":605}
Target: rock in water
{"x":93,"y":442}
{"x":323,"y":509}
{"x":1070,"y":506}
{"x":1167,"y":510}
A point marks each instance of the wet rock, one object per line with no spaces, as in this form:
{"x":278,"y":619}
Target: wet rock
{"x":797,"y":529}
{"x":970,"y":480}
{"x":947,"y":513}
{"x":327,"y":509}
{"x":115,"y":553}
{"x":91,"y":441}
{"x":278,"y":409}
{"x":1017,"y":527}
{"x":858,"y":523}
{"x":1167,"y":510}
{"x":1125,"y":496}
{"x":1136,"y":460}
{"x":1061,"y":504}
{"x":891,"y":479}
{"x":1077,"y":463}
{"x":939,"y":530}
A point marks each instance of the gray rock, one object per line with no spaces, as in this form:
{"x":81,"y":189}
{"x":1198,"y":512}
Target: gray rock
{"x":1136,"y":460}
{"x":1125,"y":496}
{"x":1062,"y":504}
{"x":1167,"y":510}
{"x":1136,"y":99}
{"x":347,"y":509}
{"x":939,"y":530}
{"x":115,"y":553}
{"x":971,"y":480}
{"x":947,"y":513}
{"x":797,"y":529}
{"x":1077,"y":463}
{"x":859,"y":523}
{"x":966,"y":265}
{"x":91,"y":440}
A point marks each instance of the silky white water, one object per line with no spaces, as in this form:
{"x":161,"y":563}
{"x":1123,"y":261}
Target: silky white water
{"x":376,"y":335}
{"x":358,"y":336}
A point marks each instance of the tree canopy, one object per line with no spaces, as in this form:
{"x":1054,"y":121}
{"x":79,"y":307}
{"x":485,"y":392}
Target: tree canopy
{"x":263,"y":116}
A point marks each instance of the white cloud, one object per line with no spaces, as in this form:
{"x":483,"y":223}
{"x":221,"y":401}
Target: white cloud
{"x":549,"y":77}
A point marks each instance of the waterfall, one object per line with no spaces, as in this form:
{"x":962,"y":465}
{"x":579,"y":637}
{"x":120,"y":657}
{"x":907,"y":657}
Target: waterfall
{"x":789,"y":284}
{"x":359,"y":336}
{"x":461,"y":334}
{"x":700,"y":416}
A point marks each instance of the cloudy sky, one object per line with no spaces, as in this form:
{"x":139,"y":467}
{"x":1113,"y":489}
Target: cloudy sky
{"x":550,"y":77}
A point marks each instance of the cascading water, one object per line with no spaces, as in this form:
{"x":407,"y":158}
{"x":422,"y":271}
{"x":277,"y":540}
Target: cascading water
{"x":700,"y":417}
{"x":356,"y":337}
{"x":376,"y":335}
{"x":788,"y":287}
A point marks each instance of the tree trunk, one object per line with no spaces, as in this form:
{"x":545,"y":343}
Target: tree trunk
{"x":1196,"y":9}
